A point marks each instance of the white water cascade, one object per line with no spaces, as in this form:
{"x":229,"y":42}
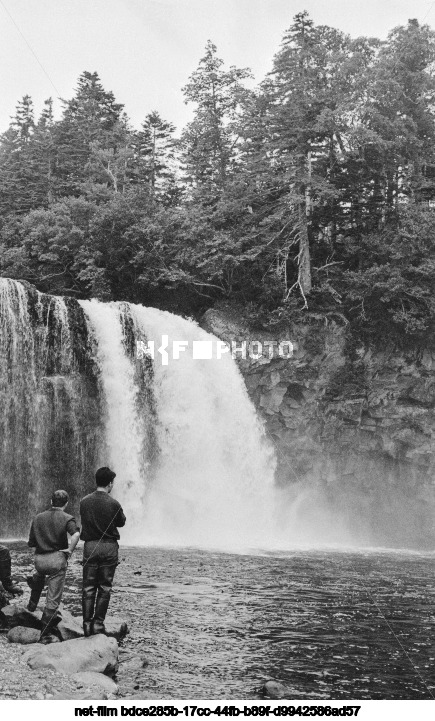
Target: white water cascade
{"x":192,"y":461}
{"x":209,"y":477}
{"x":216,"y":471}
{"x":121,"y":416}
{"x":49,"y":420}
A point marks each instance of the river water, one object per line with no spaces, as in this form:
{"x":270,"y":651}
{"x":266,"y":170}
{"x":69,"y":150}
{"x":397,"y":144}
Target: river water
{"x":213,"y":625}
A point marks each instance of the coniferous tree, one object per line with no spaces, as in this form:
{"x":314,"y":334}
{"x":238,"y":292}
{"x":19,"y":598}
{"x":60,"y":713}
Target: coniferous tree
{"x":42,"y":157}
{"x":92,"y":121}
{"x":16,"y":188}
{"x":295,"y":151}
{"x":321,"y":180}
{"x":209,"y":142}
{"x":155,"y":151}
{"x":398,"y":115}
{"x":304,"y":115}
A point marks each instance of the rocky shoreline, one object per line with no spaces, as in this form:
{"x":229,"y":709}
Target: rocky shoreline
{"x":18,"y":682}
{"x":72,"y":667}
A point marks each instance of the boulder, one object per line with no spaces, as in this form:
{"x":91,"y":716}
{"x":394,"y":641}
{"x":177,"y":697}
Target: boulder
{"x":23,"y":634}
{"x":275,"y":690}
{"x":17,"y":615}
{"x":116,"y":627}
{"x":96,"y":653}
{"x":92,"y":679}
{"x":69,"y":627}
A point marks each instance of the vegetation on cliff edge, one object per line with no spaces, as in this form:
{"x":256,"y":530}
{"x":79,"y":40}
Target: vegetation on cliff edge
{"x":311,"y":196}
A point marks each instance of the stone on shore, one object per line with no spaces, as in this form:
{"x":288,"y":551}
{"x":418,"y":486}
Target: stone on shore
{"x":18,"y":615}
{"x":18,"y":682}
{"x":116,"y":627}
{"x":23,"y":634}
{"x":94,"y":679}
{"x":69,"y":627}
{"x":72,"y":627}
{"x":275,"y":690}
{"x":96,"y":653}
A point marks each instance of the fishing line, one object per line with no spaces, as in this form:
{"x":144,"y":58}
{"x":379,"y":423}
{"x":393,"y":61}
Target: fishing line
{"x":378,"y":608}
{"x":416,"y":669}
{"x":83,"y":564}
{"x":102,"y":537}
{"x":133,"y":212}
{"x":371,"y":598}
{"x":28,"y":45}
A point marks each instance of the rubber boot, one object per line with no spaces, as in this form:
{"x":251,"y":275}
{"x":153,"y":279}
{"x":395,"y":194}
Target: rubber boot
{"x":5,"y":574}
{"x":50,"y":620}
{"x":36,"y":585}
{"x":88,"y":614}
{"x":105,"y":580}
{"x":90,"y":572}
{"x":101,"y":606}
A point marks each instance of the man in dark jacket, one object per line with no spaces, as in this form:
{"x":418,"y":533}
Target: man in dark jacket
{"x":101,"y":516}
{"x":49,"y":537}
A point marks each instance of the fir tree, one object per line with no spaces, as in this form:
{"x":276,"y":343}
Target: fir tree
{"x":209,"y":141}
{"x":91,"y":121}
{"x":155,"y":156}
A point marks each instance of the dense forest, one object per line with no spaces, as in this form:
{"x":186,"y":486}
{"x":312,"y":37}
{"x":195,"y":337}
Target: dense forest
{"x":311,"y":196}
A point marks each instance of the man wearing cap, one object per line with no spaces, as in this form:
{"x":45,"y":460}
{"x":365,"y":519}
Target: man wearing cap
{"x":101,"y":516}
{"x":49,"y":537}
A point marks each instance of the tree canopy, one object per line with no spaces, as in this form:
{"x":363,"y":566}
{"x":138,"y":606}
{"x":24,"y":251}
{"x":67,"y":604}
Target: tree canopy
{"x":309,"y":196}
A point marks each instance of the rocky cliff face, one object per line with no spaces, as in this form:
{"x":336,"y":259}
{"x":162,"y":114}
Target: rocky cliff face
{"x":355,"y":425}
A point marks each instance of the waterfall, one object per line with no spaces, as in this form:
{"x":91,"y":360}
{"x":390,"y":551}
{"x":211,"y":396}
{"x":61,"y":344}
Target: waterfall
{"x":215,"y":472}
{"x":192,"y":461}
{"x":49,"y":421}
{"x":20,"y":403}
{"x":123,"y":423}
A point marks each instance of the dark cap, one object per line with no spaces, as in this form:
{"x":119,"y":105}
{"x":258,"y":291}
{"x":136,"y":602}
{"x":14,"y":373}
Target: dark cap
{"x":59,"y":499}
{"x":104,"y":476}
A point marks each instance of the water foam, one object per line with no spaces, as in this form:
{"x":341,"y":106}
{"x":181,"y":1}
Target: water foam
{"x":210,"y":478}
{"x":193,"y":464}
{"x":215,"y":472}
{"x":123,"y":439}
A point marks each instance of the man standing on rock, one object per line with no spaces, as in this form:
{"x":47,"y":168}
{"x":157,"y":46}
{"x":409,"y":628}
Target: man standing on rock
{"x":49,"y":537}
{"x":101,"y":516}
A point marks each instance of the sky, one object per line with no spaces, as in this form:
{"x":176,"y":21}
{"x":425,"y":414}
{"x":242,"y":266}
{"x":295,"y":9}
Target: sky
{"x":145,"y":50}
